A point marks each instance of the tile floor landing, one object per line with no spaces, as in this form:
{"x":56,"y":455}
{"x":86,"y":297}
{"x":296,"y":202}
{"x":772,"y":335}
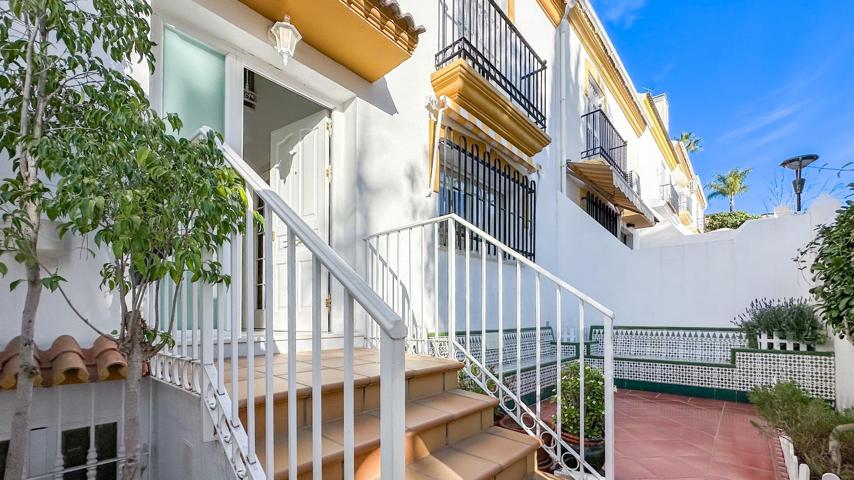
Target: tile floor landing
{"x":661,"y":436}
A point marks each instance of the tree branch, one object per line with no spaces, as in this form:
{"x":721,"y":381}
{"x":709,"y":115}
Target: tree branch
{"x":77,"y":312}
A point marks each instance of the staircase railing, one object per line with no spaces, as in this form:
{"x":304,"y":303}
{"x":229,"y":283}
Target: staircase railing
{"x":212,"y":330}
{"x":463,"y":294}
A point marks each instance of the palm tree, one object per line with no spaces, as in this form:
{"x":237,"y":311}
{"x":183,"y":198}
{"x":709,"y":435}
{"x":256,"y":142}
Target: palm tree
{"x":729,"y":185}
{"x":692,"y":142}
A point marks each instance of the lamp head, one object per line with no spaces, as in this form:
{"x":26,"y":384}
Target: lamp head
{"x":285,"y":38}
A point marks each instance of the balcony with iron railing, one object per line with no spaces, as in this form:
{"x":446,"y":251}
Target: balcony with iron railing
{"x":603,"y":165}
{"x":686,"y":208}
{"x":481,"y":34}
{"x":602,"y":139}
{"x":670,"y":196}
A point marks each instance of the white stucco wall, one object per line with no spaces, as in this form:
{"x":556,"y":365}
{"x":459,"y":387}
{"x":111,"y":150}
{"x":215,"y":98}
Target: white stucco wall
{"x":844,"y":351}
{"x":695,"y":280}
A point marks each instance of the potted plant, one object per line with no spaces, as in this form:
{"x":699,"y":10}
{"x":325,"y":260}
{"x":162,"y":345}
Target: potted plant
{"x":594,"y":412}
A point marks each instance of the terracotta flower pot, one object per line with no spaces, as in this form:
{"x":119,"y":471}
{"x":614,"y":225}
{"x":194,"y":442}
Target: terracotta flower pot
{"x":594,"y":448}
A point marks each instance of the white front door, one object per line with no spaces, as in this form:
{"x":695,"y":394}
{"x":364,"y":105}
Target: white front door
{"x":299,"y":155}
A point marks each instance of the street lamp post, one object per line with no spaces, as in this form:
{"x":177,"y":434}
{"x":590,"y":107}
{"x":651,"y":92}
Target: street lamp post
{"x":797,"y":164}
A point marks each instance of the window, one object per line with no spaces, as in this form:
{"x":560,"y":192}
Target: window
{"x":603,"y":213}
{"x":4,"y":449}
{"x":75,"y":447}
{"x":594,"y":98}
{"x":493,"y":196}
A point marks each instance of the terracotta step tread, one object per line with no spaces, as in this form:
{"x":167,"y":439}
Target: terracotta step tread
{"x":366,"y":371}
{"x":541,"y":476}
{"x":481,"y":456}
{"x":421,"y":415}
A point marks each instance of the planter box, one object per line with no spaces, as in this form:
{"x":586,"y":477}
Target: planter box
{"x":768,"y":341}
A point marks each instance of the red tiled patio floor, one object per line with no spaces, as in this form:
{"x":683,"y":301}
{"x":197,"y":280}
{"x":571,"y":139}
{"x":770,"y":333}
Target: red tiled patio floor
{"x":662,"y":436}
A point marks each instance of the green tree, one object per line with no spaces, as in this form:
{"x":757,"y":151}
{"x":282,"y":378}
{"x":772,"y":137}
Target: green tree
{"x":729,"y":185}
{"x":716,"y":221}
{"x":49,"y":67}
{"x":692,"y":142}
{"x":161,"y":206}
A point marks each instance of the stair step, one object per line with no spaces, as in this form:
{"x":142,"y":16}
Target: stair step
{"x":541,"y":476}
{"x":431,"y":423}
{"x":494,"y":453}
{"x":429,"y":371}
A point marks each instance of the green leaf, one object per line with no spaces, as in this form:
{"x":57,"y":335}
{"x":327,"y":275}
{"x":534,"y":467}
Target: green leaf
{"x":14,"y":284}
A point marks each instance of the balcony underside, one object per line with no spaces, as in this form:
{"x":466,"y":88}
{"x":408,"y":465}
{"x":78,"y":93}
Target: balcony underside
{"x":460,"y":83}
{"x":597,"y":172}
{"x":369,"y":37}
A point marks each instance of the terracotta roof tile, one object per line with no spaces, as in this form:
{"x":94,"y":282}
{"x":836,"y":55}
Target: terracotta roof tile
{"x":65,"y":362}
{"x":392,"y":9}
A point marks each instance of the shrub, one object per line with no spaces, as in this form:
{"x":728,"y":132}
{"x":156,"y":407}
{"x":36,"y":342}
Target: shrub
{"x":594,"y":405}
{"x":833,"y":248}
{"x":733,"y":220}
{"x":792,"y":318}
{"x":807,"y":422}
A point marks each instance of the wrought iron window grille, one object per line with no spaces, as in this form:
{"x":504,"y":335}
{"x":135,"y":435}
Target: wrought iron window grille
{"x":496,"y":198}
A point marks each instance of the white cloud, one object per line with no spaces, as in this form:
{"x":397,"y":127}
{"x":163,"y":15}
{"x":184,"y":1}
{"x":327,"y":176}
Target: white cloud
{"x":622,"y":12}
{"x":762,"y":121}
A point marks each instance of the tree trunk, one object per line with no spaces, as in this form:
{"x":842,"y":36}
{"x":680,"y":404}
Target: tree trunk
{"x":732,"y":203}
{"x":28,"y":370}
{"x":131,"y":468}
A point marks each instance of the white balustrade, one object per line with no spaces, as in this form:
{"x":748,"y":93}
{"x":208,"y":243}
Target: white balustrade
{"x":777,"y":342}
{"x":197,"y":361}
{"x":460,"y":276}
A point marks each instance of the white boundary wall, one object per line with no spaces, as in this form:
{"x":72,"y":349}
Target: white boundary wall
{"x":677,"y":280}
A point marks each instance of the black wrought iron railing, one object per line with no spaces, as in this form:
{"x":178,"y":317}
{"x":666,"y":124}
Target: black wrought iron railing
{"x":497,"y":199}
{"x":601,"y":138}
{"x":670,"y":195}
{"x":603,"y":213}
{"x":480,"y":33}
{"x":686,"y":203}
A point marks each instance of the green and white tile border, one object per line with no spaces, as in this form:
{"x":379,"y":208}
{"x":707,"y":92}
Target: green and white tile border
{"x":698,"y":362}
{"x":730,"y":379}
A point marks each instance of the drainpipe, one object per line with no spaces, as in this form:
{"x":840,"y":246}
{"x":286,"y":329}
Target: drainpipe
{"x":438,"y":106}
{"x":564,"y":53}
{"x":563,"y":61}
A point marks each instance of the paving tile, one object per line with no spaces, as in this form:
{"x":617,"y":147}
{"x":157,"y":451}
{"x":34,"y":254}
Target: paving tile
{"x":665,"y":436}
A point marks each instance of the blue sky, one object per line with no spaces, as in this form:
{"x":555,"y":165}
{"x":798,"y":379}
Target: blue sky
{"x":758,"y":80}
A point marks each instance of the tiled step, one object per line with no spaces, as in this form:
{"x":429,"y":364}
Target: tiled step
{"x":425,"y":376}
{"x":541,"y":476}
{"x":495,"y":453}
{"x":449,"y":432}
{"x":432,"y":423}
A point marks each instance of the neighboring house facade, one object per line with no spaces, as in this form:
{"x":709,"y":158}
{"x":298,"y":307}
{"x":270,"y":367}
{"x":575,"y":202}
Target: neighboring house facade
{"x":518,"y":117}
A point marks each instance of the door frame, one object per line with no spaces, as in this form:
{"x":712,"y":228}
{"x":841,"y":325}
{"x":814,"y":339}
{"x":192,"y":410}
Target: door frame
{"x":236,"y":60}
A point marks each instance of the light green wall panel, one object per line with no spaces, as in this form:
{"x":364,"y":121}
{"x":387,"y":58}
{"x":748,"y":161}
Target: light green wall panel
{"x":193,"y":82}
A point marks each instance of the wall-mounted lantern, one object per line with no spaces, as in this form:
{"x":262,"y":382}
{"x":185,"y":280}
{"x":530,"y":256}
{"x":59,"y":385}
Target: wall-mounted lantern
{"x":285,"y":38}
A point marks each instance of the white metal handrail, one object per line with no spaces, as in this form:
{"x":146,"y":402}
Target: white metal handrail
{"x":197,"y":362}
{"x":401,"y":275}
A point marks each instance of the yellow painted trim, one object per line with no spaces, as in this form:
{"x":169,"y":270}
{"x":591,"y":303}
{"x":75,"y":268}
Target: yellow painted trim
{"x":511,"y":10}
{"x":606,"y":66}
{"x":367,"y":36}
{"x":659,"y":133}
{"x":685,"y":218}
{"x":459,"y":82}
{"x":553,"y":10}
